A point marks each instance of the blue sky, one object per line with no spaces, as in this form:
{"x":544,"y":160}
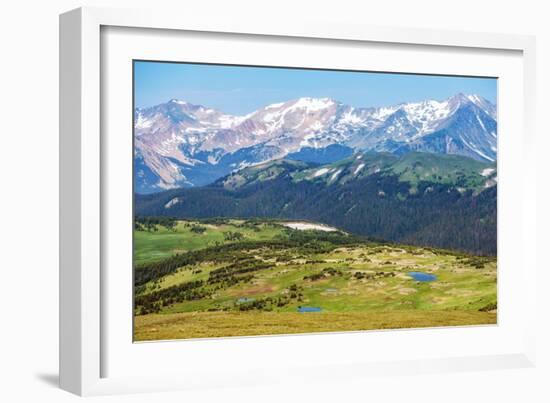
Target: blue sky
{"x":240,"y":90}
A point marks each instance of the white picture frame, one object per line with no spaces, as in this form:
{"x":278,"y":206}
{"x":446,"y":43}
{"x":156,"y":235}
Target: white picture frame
{"x":83,"y":295}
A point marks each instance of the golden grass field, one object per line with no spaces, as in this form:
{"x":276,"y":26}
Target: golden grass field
{"x":226,"y":324}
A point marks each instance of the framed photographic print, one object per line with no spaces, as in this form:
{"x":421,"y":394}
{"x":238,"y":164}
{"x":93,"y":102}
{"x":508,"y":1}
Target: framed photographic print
{"x":271,"y":213}
{"x":233,"y":195}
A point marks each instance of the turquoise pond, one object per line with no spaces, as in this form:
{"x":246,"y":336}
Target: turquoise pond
{"x":309,"y":309}
{"x":418,"y":276}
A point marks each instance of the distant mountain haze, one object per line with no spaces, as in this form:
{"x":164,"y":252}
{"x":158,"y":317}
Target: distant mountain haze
{"x":178,"y":144}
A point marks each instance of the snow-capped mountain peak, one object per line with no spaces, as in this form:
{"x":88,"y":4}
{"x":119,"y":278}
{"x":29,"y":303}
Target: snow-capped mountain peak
{"x":313,"y":104}
{"x":484,"y":104}
{"x":180,"y":141}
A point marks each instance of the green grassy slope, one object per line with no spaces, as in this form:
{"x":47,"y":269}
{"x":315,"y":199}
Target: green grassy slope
{"x":412,"y":168}
{"x":156,"y":245}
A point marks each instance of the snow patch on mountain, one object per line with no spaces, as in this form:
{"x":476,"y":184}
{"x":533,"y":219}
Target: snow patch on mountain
{"x":335,"y":175}
{"x":320,"y":172}
{"x":358,"y":169}
{"x":384,"y":112}
{"x":487,"y":172}
{"x":142,"y":122}
{"x":476,"y":150}
{"x":312,"y":104}
{"x":427,"y":115}
{"x":480,"y":122}
{"x":349,"y":117}
{"x":228,"y":121}
{"x":276,"y":105}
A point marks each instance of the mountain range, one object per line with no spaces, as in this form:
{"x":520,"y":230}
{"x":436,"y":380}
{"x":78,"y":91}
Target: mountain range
{"x":178,"y":144}
{"x":428,"y":199}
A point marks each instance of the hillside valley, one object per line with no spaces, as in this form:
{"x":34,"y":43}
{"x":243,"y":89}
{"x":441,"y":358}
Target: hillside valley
{"x":427,"y":199}
{"x":227,"y":277}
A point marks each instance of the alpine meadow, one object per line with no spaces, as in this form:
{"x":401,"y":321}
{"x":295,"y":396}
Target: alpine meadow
{"x":283,"y":200}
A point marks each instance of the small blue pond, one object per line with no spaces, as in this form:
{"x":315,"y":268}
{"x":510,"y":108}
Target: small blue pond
{"x":309,"y":309}
{"x":245,"y":299}
{"x":418,"y":276}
